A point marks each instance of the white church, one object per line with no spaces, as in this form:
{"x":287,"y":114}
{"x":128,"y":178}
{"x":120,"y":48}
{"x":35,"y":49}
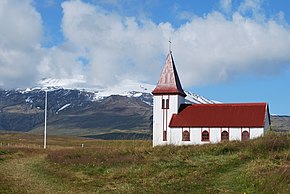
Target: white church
{"x":177,"y":123}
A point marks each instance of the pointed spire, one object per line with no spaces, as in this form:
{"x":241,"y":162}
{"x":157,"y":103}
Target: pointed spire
{"x":169,"y":82}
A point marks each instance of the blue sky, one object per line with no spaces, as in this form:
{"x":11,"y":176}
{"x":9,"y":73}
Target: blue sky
{"x":229,"y":51}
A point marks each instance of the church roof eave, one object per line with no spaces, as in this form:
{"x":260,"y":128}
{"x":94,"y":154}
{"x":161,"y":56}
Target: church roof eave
{"x":162,"y":91}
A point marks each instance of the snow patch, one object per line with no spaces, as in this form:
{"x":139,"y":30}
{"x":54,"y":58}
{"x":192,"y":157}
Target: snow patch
{"x":197,"y":99}
{"x":65,"y":106}
{"x":127,"y":88}
{"x":28,"y":100}
{"x":137,"y":95}
{"x":28,"y":90}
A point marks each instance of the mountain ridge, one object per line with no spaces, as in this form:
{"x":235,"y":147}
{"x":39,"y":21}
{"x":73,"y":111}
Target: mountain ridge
{"x":93,"y":112}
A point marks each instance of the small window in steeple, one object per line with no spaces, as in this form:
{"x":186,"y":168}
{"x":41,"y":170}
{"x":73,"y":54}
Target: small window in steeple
{"x":164,"y":135}
{"x":165,"y":103}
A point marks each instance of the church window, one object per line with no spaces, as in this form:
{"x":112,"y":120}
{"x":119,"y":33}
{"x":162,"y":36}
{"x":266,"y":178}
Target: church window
{"x":245,"y":135}
{"x":164,"y":135}
{"x":165,"y":103}
{"x":205,"y":136}
{"x":185,"y":136}
{"x":225,"y":136}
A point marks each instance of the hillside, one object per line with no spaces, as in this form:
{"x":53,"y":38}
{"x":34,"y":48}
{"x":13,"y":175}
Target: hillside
{"x":255,"y":166}
{"x":73,"y":112}
{"x":280,"y":123}
{"x":119,"y":112}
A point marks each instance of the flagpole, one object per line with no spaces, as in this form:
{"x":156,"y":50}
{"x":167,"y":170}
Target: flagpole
{"x":45,"y":120}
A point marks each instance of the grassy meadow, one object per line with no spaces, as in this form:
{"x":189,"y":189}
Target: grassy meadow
{"x":256,"y":166}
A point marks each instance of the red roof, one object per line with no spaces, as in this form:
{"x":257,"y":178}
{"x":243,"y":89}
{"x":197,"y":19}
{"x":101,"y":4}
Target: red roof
{"x":169,"y":82}
{"x":221,"y":115}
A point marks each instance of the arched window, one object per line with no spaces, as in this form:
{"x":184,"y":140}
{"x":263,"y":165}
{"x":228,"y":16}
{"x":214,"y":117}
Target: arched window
{"x":245,"y":135}
{"x":185,"y":136}
{"x":225,"y":136}
{"x":205,"y":136}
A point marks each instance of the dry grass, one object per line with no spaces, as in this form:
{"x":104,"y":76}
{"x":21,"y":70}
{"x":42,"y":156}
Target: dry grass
{"x":256,"y":166}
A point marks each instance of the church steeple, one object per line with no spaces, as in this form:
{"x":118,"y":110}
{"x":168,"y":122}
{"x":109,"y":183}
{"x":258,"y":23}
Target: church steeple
{"x":169,"y":82}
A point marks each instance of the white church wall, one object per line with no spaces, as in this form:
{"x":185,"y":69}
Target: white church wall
{"x":215,"y":135}
{"x":176,"y":136}
{"x":235,"y":134}
{"x":164,"y":115}
{"x":157,"y":121}
{"x":224,"y":129}
{"x":174,"y":103}
{"x":195,"y":135}
{"x":256,"y":132}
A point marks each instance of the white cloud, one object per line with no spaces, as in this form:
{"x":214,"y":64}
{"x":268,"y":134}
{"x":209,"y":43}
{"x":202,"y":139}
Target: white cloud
{"x":214,"y":49}
{"x":20,"y":34}
{"x":117,"y":47}
{"x":22,"y":60}
{"x":206,"y":49}
{"x":252,"y":8}
{"x":59,"y":62}
{"x":105,"y":48}
{"x":226,"y":5}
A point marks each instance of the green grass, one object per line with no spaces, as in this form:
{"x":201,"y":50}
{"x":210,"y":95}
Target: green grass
{"x":256,"y":166}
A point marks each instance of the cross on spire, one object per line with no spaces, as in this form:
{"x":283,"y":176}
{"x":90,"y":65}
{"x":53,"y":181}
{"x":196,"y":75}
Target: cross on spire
{"x":169,"y":45}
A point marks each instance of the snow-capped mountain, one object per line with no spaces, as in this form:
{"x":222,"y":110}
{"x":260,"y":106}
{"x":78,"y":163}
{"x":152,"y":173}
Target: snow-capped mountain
{"x":74,"y":109}
{"x":127,"y":88}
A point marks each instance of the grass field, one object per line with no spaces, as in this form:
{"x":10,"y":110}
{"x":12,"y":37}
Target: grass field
{"x":256,"y":166}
